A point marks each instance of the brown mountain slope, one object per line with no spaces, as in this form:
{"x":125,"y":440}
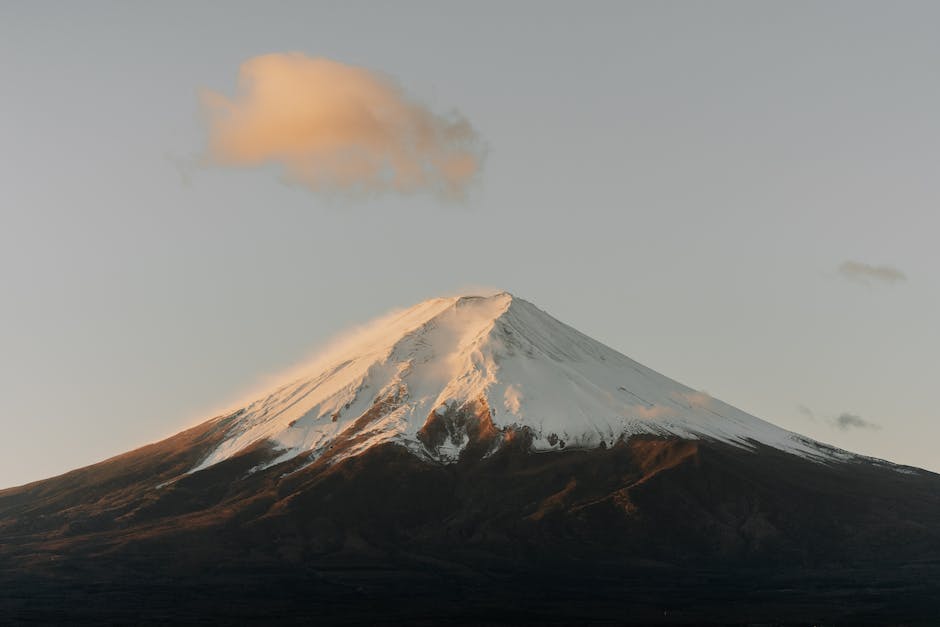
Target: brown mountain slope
{"x":695,"y":528}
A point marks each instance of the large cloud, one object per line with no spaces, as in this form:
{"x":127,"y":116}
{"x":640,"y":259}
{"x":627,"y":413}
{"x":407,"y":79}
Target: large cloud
{"x":338,"y":128}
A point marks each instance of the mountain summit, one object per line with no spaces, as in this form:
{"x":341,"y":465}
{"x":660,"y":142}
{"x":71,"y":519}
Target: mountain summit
{"x":451,"y":373}
{"x":472,"y":460}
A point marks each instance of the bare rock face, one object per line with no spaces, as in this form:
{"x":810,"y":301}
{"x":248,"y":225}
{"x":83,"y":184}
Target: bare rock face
{"x":468,"y":430}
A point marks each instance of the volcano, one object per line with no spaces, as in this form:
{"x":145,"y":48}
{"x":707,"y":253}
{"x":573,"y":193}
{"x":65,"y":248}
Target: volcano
{"x":474,"y":460}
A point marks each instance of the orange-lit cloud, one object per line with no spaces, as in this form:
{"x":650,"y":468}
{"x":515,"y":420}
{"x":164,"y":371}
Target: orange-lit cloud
{"x":337,"y":128}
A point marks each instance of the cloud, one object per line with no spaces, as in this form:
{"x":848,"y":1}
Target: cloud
{"x":843,"y":421}
{"x":866,"y":273}
{"x":339,"y":129}
{"x":806,"y":411}
{"x":846,"y":421}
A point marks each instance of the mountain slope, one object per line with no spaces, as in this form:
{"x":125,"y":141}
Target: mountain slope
{"x":473,"y":460}
{"x":707,"y":530}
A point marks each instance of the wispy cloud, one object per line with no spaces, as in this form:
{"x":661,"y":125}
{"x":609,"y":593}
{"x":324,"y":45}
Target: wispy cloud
{"x":806,"y":411}
{"x":339,"y":129}
{"x":868,"y":274}
{"x":846,"y":421}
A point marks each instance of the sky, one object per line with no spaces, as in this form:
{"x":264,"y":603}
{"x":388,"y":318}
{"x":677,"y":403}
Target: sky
{"x":742,"y":196}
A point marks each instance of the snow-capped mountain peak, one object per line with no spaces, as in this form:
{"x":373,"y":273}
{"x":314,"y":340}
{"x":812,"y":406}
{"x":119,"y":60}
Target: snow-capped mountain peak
{"x":435,"y":376}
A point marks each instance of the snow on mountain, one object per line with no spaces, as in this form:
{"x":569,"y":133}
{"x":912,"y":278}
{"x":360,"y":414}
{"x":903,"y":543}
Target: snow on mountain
{"x":496,"y":354}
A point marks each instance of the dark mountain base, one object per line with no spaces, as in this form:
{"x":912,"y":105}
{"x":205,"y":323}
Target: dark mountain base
{"x":651,"y":531}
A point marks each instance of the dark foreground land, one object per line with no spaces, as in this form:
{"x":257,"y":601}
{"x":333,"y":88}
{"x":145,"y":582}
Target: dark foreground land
{"x":432,"y":596}
{"x":650,"y":531}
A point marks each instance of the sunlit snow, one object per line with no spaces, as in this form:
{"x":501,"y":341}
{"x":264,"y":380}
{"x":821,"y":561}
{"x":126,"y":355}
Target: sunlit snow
{"x":533,"y":371}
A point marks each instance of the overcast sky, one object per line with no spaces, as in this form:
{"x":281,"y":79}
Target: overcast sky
{"x":741,"y":195}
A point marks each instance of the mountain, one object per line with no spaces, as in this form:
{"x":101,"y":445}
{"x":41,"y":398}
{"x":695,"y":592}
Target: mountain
{"x":473,"y":460}
{"x":438,"y":377}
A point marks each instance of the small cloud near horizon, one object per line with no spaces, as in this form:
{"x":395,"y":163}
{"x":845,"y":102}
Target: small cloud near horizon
{"x":846,"y":421}
{"x":340,"y":130}
{"x":866,"y":273}
{"x":843,"y":421}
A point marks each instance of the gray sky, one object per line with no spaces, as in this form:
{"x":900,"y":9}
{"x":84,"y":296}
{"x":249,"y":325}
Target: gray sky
{"x":685,"y":182}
